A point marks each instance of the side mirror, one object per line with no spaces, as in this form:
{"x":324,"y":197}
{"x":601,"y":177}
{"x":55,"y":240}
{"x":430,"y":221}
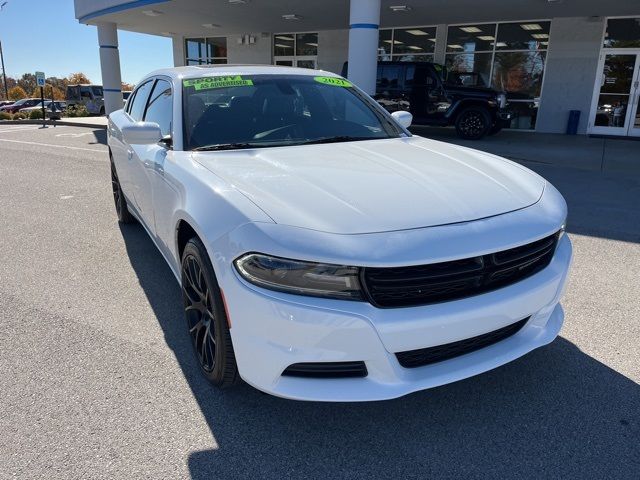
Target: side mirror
{"x":404,"y":118}
{"x":141,"y":133}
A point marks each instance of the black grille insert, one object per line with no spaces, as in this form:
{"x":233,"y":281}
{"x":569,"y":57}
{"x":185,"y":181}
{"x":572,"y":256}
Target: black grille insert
{"x":438,"y":282}
{"x":439,"y":353}
{"x":327,"y":370}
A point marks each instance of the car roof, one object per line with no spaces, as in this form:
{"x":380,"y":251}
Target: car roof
{"x":198,"y":71}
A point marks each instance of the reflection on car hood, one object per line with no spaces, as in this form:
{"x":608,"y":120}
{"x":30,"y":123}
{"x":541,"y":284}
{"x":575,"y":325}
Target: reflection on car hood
{"x":375,"y":185}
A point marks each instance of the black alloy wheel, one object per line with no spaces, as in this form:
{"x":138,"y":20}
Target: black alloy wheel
{"x":473,"y":123}
{"x":124,"y":216}
{"x":206,"y":316}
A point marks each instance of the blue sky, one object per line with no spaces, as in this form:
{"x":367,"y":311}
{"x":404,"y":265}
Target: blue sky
{"x":44,"y":35}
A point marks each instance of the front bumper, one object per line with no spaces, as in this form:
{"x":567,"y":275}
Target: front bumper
{"x":271,"y":331}
{"x":503,"y":118}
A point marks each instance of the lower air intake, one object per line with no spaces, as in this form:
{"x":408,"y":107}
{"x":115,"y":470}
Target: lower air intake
{"x":327,"y":370}
{"x":439,"y":353}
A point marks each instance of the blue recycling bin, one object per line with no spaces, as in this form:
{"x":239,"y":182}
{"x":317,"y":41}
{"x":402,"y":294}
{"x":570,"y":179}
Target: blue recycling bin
{"x":573,"y":122}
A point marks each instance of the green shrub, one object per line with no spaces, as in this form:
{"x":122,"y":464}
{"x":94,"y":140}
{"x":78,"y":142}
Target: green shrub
{"x":70,"y":112}
{"x":19,"y":116}
{"x":5,"y":116}
{"x":81,"y":111}
{"x":35,"y":114}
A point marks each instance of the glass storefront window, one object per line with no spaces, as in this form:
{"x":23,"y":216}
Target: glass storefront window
{"x":415,"y":44}
{"x":508,"y":57}
{"x":471,"y":38}
{"x":622,"y":33}
{"x":195,"y":47}
{"x":523,"y":36}
{"x":306,"y":44}
{"x":414,"y":40}
{"x":384,"y":42}
{"x":216,"y":47}
{"x":469,"y":64}
{"x":203,"y":51}
{"x":284,"y":45}
{"x":519,"y":73}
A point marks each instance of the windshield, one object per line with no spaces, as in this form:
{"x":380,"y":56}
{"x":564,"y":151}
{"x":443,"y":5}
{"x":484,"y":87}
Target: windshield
{"x":250,"y":111}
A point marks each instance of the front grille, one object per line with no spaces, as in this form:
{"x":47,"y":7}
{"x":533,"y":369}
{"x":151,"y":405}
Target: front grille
{"x":327,"y":370}
{"x":439,"y":282}
{"x":439,"y":353}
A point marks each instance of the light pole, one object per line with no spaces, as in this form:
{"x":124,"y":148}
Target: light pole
{"x":4,"y":72}
{"x":4,"y":75}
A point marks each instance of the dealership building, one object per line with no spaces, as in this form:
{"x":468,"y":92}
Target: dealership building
{"x":550,"y":56}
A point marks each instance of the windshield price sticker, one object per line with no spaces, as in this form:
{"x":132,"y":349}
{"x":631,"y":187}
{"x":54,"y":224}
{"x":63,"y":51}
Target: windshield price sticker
{"x":333,"y":81}
{"x":210,"y":83}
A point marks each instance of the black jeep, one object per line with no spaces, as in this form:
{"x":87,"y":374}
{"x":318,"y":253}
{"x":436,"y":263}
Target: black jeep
{"x":436,"y":98}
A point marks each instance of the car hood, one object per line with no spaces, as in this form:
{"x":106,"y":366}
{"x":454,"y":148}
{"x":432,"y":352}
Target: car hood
{"x":375,"y":185}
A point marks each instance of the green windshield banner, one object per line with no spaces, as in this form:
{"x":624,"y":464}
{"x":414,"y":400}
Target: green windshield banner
{"x":333,"y":81}
{"x":209,"y":83}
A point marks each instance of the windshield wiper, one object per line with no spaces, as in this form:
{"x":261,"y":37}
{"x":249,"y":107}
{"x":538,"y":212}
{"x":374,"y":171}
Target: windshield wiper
{"x":226,"y":146}
{"x":336,"y":139}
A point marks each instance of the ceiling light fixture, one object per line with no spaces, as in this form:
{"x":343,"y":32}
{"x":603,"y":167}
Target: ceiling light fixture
{"x":291,"y":16}
{"x":210,"y":25}
{"x":284,"y":37}
{"x":540,"y":36}
{"x":470,"y":29}
{"x":486,"y":38}
{"x":399,"y":8}
{"x":152,"y":13}
{"x":413,"y":47}
{"x":417,"y":32}
{"x":531,"y":26}
{"x":501,"y":44}
{"x":455,"y":45}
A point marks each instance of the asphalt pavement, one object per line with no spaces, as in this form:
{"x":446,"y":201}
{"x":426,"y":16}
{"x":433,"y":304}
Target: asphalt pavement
{"x":97,"y":379}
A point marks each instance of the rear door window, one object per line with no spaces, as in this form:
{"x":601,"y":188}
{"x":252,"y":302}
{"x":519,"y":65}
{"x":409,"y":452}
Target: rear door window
{"x":160,"y":108}
{"x":140,"y":101}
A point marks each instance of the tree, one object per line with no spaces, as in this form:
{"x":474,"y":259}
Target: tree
{"x":27,"y":82}
{"x":127,"y":87}
{"x":57,"y":93}
{"x":77,"y":78}
{"x":17,"y":93}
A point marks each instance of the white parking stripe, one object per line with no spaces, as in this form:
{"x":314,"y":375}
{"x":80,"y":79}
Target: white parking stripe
{"x":17,"y":128}
{"x":52,"y":145}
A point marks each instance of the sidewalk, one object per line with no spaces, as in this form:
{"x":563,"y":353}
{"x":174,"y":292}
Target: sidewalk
{"x":574,"y":151}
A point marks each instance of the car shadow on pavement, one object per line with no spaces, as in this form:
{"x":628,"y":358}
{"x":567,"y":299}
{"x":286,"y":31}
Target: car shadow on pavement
{"x":100,"y":136}
{"x":555,"y":413}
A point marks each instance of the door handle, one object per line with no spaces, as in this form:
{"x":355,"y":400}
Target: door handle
{"x":129,"y":154}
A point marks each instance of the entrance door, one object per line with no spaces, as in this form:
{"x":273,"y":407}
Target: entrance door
{"x":616,"y":105}
{"x":297,"y":61}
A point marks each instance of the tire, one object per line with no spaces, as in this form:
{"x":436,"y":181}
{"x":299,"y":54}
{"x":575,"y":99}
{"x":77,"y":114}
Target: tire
{"x":473,"y":123}
{"x":124,"y":216}
{"x":497,"y":128}
{"x":206,"y":317}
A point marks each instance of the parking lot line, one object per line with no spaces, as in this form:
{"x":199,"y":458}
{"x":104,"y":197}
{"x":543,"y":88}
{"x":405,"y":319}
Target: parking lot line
{"x":17,"y":128}
{"x":51,"y":145}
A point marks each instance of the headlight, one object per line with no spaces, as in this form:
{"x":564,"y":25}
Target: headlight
{"x":301,"y":278}
{"x":502,"y":100}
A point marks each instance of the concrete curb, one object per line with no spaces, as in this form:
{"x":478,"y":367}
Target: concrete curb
{"x":65,"y":123}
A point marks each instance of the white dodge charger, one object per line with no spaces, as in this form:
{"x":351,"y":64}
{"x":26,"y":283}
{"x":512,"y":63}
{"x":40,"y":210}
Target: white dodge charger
{"x":324,"y":252}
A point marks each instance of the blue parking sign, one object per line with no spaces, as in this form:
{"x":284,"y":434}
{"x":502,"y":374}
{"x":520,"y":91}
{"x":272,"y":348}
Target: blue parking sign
{"x":40,"y":79}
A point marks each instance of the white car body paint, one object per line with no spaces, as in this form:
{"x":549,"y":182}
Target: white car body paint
{"x":377,"y":203}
